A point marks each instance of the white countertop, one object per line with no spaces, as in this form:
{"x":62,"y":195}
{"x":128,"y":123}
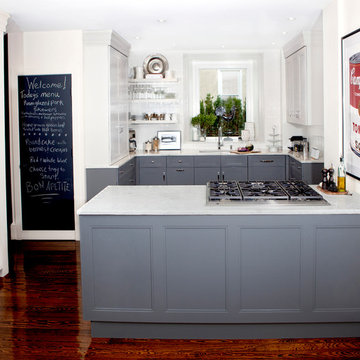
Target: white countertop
{"x":191,"y":200}
{"x":211,"y":151}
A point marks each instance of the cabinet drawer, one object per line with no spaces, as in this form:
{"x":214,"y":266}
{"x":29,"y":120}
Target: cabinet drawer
{"x":180,"y":176}
{"x":152,"y":161}
{"x":207,"y":161}
{"x":233,"y":160}
{"x":266,"y":173}
{"x":180,"y":161}
{"x":267,"y":160}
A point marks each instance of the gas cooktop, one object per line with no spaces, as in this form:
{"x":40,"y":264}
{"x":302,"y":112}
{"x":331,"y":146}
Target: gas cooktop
{"x":292,"y":190}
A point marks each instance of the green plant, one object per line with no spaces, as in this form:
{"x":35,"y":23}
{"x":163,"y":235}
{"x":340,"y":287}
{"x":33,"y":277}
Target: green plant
{"x":207,"y":116}
{"x":208,"y":121}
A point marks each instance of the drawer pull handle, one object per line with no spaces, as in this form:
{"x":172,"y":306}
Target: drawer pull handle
{"x":152,"y":161}
{"x":164,"y":176}
{"x":180,"y":170}
{"x":267,"y":161}
{"x":180,"y":161}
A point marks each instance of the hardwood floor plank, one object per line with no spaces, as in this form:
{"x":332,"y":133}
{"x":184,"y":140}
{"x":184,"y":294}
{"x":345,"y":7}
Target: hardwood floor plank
{"x":40,"y":318}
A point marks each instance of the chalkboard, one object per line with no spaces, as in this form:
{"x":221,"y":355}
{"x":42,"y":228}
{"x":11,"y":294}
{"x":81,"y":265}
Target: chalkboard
{"x":45,"y":124}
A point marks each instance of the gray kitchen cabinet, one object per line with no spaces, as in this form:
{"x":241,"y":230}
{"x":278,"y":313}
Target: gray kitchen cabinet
{"x":98,"y":179}
{"x":127,"y":173}
{"x":152,"y":170}
{"x":266,"y":167}
{"x":180,"y":170}
{"x":218,"y":274}
{"x":234,"y":167}
{"x":206,"y":168}
{"x":308,"y":172}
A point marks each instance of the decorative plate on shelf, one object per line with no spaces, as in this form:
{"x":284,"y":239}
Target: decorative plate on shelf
{"x":155,"y":64}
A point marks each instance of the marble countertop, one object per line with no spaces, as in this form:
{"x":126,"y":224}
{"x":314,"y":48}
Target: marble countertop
{"x":191,"y":200}
{"x":211,"y":151}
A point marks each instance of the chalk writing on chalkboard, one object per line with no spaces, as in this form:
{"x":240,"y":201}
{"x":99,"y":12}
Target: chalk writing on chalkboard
{"x":45,"y":125}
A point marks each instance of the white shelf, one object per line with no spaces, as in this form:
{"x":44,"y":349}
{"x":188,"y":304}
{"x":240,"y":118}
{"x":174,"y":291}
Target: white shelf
{"x":152,"y":122}
{"x":164,"y":101}
{"x":152,"y":81}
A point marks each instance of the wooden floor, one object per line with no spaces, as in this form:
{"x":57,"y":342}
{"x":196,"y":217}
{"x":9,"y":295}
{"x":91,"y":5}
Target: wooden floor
{"x":40,"y":318}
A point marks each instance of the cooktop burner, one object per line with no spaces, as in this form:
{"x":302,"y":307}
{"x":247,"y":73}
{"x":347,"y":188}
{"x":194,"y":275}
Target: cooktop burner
{"x":224,"y":190}
{"x":299,"y":190}
{"x":261,"y":190}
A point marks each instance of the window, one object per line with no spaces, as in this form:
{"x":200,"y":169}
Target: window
{"x":225,"y":75}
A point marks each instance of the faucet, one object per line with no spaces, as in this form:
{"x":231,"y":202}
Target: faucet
{"x":220,"y":139}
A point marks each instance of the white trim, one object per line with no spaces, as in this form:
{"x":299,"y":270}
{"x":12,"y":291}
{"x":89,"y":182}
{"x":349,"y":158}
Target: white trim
{"x":4,"y":17}
{"x":4,"y":263}
{"x":107,"y":37}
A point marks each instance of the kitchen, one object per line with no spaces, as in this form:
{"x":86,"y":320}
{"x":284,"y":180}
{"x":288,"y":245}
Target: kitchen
{"x":35,"y":58}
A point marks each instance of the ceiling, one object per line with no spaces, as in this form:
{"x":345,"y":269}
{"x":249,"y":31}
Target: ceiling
{"x":173,"y":24}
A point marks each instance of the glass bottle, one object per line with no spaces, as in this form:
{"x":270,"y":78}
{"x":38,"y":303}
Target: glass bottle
{"x":341,"y":176}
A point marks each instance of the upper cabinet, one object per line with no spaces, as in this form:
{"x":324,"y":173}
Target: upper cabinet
{"x":105,"y":97}
{"x":304,"y":78}
{"x":296,"y":83}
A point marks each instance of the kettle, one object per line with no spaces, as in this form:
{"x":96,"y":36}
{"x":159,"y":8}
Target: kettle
{"x":132,"y":141}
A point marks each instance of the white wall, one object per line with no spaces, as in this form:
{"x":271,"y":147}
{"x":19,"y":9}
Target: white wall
{"x":4,"y":264}
{"x":58,"y":52}
{"x":340,"y":18}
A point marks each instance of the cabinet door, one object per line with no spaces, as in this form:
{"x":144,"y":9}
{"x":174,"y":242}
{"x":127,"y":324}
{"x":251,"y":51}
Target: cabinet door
{"x":296,"y":87}
{"x":119,"y":133}
{"x":295,"y":170}
{"x":152,"y":176}
{"x":205,"y":174}
{"x":234,"y":173}
{"x":180,"y":176}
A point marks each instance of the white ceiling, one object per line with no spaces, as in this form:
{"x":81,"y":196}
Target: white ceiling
{"x":189,"y":25}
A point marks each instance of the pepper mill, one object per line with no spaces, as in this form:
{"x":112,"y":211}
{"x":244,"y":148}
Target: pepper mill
{"x":324,"y":183}
{"x":331,"y":184}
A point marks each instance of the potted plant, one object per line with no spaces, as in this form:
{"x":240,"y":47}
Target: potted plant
{"x":206,"y":118}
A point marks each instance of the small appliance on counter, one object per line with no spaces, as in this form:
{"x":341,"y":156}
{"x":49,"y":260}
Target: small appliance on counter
{"x":132,"y":140}
{"x":297,"y":143}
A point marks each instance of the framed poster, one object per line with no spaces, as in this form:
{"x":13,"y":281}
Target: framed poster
{"x":169,"y":140}
{"x":350,"y":48}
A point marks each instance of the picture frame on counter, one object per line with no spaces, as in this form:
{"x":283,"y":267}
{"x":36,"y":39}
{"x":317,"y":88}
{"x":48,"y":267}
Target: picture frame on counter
{"x":169,"y":140}
{"x":350,"y":52}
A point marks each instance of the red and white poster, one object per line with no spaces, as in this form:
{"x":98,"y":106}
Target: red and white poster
{"x":351,"y":102}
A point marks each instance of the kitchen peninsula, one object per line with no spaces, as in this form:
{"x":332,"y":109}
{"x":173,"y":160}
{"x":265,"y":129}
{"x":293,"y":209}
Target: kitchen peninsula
{"x":161,"y":262}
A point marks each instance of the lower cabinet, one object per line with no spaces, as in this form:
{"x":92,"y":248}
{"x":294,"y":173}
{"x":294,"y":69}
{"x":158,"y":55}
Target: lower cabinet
{"x":234,"y":167}
{"x":220,"y":270}
{"x":127,"y":173}
{"x":152,"y":170}
{"x":266,"y":167}
{"x":206,"y":168}
{"x":180,"y":170}
{"x":309,"y":172}
{"x":98,"y":179}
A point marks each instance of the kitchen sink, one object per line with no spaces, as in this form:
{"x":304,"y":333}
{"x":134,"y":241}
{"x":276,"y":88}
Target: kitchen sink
{"x":214,"y":151}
